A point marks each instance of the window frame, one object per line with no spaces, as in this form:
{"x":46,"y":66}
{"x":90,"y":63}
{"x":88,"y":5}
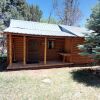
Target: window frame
{"x":51,"y":44}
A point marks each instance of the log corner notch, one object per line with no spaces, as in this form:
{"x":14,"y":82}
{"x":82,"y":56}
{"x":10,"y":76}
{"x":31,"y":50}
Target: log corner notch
{"x":24,"y":50}
{"x":10,"y":49}
{"x":45,"y":50}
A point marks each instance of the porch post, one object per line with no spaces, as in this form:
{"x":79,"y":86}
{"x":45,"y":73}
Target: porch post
{"x":10,"y":49}
{"x":45,"y":50}
{"x":24,"y":50}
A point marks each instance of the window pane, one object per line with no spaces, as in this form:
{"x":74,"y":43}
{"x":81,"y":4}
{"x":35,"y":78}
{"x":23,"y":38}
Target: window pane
{"x":50,"y":44}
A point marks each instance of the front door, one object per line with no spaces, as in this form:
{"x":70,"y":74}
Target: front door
{"x":33,"y":51}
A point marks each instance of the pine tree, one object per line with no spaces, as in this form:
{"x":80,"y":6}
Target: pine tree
{"x":36,"y":13}
{"x":94,"y":22}
{"x":91,"y":47}
{"x":52,"y":20}
{"x":17,"y":9}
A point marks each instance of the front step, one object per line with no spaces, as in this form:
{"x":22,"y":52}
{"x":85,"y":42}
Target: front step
{"x":37,"y":66}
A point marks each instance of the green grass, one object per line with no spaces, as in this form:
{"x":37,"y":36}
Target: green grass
{"x":30,"y":85}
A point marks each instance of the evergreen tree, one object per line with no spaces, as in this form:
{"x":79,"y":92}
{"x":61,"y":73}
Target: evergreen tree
{"x":17,"y":9}
{"x":94,"y":22}
{"x":91,"y":47}
{"x":36,"y":13}
{"x":52,"y":21}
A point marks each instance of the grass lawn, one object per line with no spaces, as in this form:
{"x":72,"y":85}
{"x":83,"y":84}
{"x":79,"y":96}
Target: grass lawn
{"x":49,"y":84}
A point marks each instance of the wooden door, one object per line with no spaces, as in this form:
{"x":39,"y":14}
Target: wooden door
{"x":33,"y":51}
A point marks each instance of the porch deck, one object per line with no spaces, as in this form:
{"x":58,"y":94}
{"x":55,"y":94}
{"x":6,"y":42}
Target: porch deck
{"x":50,"y":64}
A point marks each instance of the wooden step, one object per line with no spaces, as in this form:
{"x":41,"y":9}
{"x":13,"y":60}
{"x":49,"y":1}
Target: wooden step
{"x":37,"y":66}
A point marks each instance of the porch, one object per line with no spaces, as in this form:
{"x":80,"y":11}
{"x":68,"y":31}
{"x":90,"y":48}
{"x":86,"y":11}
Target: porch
{"x":35,"y":52}
{"x":43,"y":51}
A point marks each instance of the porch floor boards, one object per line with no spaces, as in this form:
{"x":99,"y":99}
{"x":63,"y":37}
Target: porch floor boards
{"x":50,"y":64}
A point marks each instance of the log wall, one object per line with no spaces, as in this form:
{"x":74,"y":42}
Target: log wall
{"x":67,"y":45}
{"x":52,"y":54}
{"x":71,"y":48}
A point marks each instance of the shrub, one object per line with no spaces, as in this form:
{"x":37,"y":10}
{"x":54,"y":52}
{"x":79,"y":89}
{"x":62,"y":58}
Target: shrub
{"x":3,"y":63}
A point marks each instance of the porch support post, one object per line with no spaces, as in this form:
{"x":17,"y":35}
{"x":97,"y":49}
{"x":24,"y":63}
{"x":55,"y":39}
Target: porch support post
{"x":24,"y":50}
{"x":10,"y":49}
{"x":45,"y":50}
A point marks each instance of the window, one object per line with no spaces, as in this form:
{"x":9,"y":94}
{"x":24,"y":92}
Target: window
{"x":50,"y":44}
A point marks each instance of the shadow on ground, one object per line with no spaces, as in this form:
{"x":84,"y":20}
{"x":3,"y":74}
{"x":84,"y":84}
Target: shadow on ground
{"x":86,"y":77}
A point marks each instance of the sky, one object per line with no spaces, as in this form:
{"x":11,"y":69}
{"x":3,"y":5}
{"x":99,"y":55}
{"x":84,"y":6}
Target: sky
{"x":85,"y":7}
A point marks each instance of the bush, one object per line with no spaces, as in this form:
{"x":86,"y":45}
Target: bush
{"x":3,"y":63}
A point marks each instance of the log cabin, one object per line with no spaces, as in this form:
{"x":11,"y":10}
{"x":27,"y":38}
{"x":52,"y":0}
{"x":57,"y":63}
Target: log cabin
{"x":35,"y":44}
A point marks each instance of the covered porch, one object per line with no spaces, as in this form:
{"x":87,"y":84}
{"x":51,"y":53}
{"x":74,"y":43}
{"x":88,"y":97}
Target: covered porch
{"x":26,"y":51}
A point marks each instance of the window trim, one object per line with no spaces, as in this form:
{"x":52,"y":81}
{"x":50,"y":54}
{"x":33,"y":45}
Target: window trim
{"x":52,"y":44}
